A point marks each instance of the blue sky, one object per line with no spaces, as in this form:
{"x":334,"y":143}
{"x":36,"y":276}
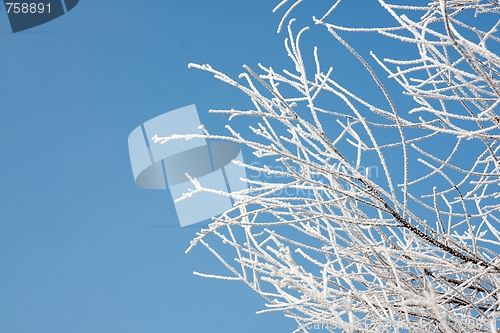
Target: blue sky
{"x":77,"y":250}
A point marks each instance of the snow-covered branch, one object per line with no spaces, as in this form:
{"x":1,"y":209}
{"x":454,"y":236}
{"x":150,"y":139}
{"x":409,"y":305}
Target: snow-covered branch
{"x":327,"y":243}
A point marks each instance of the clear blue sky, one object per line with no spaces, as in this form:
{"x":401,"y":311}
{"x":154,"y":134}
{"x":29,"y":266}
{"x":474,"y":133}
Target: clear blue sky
{"x":77,"y":250}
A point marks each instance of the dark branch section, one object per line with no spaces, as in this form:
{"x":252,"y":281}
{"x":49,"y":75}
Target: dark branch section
{"x":415,"y":250}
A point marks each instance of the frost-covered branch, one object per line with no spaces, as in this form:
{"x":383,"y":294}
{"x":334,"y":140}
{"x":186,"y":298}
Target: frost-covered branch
{"x":329,"y":244}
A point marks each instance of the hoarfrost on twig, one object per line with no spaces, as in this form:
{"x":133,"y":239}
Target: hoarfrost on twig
{"x":416,"y":249}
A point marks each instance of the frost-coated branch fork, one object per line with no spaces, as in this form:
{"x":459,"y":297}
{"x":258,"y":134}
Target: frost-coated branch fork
{"x":417,"y":250}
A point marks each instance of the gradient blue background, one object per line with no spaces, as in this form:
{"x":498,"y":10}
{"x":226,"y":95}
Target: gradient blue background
{"x":76,"y":250}
{"x":82,"y":248}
